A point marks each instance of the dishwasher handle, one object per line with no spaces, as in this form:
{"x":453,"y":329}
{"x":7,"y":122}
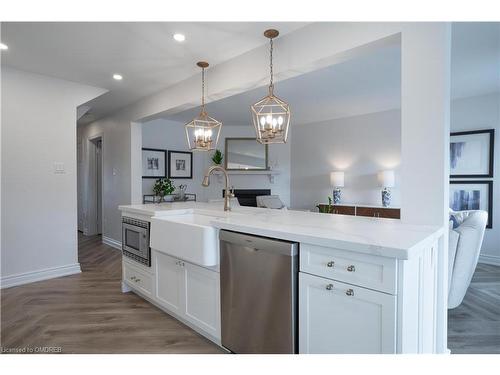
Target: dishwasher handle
{"x":277,"y":246}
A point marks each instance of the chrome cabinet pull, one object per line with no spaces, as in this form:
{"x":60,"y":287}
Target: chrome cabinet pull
{"x":349,"y":292}
{"x":329,"y":287}
{"x":132,"y":278}
{"x":330,"y":264}
{"x":351,"y":268}
{"x":137,"y":280}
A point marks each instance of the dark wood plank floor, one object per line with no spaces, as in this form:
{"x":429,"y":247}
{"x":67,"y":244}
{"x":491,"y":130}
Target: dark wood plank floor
{"x":474,"y":326}
{"x":88,"y":313}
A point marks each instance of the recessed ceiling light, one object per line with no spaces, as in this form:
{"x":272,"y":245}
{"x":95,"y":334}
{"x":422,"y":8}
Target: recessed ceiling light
{"x":3,"y":46}
{"x":179,"y":37}
{"x":118,"y":77}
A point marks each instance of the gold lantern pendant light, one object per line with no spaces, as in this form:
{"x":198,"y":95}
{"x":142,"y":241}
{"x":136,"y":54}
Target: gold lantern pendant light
{"x":203,"y":131}
{"x":271,"y":115}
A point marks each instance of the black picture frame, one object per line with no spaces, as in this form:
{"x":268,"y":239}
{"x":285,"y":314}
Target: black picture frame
{"x":489,"y":224}
{"x":170,"y":152}
{"x":491,"y":153}
{"x":164,"y":152}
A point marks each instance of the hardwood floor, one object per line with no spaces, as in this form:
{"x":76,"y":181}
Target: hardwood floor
{"x":474,"y":326}
{"x":88,"y":313}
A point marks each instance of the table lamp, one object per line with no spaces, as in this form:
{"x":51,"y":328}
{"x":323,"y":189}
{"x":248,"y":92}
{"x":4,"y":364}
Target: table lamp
{"x":337,"y":181}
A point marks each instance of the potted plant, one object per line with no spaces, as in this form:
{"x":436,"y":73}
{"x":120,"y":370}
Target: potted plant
{"x":217,"y":157}
{"x":162,"y":187}
{"x":325,"y":209}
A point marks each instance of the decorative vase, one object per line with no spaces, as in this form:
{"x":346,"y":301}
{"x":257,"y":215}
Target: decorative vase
{"x":337,"y":194}
{"x":159,"y":199}
{"x":386,"y":197}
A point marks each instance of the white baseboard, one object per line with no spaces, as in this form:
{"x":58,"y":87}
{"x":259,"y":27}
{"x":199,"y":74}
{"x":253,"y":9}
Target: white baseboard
{"x":490,"y":259}
{"x":111,"y":242}
{"x":33,"y":276}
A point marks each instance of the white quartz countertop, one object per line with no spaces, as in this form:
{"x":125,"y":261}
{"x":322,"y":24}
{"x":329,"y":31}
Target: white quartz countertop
{"x":384,"y":237}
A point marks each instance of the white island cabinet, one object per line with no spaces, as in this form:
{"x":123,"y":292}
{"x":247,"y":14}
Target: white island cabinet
{"x":365,"y":285}
{"x":358,"y":303}
{"x":190,"y":292}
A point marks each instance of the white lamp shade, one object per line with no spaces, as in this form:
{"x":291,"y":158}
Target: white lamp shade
{"x":386,"y":178}
{"x":337,"y":179}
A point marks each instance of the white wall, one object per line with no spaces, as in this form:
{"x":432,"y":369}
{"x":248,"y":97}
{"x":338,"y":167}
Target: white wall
{"x":39,"y":207}
{"x":483,"y":112}
{"x":170,"y":135}
{"x":361,"y":146}
{"x":116,"y":170}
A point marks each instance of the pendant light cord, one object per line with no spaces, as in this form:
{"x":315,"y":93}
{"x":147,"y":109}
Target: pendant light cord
{"x":271,"y":84}
{"x":203,"y":90}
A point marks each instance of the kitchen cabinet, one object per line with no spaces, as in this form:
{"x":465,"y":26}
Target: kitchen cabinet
{"x":168,"y":282}
{"x":369,"y":271}
{"x":365,"y":285}
{"x":336,"y":317}
{"x":202,"y":298}
{"x":189,"y":291}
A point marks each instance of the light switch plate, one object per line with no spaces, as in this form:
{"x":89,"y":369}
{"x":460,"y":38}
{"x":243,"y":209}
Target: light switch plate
{"x":59,"y":168}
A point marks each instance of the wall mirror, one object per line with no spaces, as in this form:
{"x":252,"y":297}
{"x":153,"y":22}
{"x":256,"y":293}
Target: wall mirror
{"x":245,"y":154}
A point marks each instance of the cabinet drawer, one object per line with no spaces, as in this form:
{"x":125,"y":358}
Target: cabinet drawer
{"x":138,"y":279}
{"x":374,"y":272}
{"x":344,"y":210}
{"x":340,"y":210}
{"x":386,"y":213}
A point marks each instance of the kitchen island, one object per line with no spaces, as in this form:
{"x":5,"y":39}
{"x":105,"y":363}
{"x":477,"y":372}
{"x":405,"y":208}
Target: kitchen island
{"x":366,"y":285}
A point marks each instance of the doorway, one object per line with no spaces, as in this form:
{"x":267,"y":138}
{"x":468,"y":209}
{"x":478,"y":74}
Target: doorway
{"x":94,"y":193}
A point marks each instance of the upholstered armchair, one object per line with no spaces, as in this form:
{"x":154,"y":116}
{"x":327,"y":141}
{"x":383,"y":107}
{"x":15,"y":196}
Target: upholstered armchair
{"x":270,"y":201}
{"x":465,"y":243}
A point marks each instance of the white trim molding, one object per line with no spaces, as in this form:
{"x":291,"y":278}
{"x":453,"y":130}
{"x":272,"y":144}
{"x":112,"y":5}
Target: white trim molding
{"x":111,"y":242}
{"x":490,"y":259}
{"x":33,"y":276}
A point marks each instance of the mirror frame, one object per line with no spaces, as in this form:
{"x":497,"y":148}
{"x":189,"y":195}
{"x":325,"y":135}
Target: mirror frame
{"x":245,"y":139}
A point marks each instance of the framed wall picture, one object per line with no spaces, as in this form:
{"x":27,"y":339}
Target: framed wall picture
{"x":472,"y":154}
{"x":180,"y":164}
{"x":154,"y":163}
{"x":472,"y":195}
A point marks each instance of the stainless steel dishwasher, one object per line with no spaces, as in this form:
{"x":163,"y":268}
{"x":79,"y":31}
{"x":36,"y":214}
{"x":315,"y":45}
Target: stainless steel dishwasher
{"x":258,"y":279}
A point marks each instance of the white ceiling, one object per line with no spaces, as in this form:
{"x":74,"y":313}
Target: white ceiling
{"x":370,"y":83}
{"x":475,"y":58}
{"x":143,"y":52}
{"x":150,"y":60}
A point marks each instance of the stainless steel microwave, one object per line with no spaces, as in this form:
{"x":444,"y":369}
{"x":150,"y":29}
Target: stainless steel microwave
{"x":135,"y":240}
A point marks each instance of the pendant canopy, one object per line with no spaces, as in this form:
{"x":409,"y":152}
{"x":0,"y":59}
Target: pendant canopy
{"x":203,"y":131}
{"x":271,"y":115}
